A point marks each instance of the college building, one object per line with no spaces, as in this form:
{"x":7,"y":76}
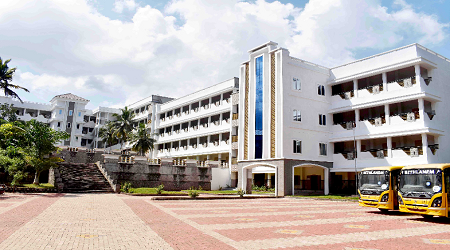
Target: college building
{"x":287,"y":123}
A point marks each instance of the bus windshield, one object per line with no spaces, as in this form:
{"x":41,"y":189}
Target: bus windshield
{"x":420,"y":183}
{"x":373,"y":181}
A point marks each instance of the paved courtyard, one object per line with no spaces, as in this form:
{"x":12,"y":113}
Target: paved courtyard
{"x":111,"y":221}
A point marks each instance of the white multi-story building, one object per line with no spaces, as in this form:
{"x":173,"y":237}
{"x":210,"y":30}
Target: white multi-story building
{"x":316,"y":126}
{"x":289,"y":123}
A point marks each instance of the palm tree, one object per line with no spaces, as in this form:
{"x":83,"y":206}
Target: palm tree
{"x":123,"y":125}
{"x":142,"y":140}
{"x":6,"y":75}
{"x":107,"y":135}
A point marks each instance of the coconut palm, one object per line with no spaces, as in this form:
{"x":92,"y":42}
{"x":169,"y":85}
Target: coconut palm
{"x":142,"y":140}
{"x":107,"y":134}
{"x":6,"y":75}
{"x":123,"y":125}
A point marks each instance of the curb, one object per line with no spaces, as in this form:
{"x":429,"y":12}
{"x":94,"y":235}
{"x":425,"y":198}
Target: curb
{"x":212,"y":198}
{"x":322,"y":199}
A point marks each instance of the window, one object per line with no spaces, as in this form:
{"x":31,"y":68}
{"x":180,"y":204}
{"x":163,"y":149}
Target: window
{"x":68,"y":124}
{"x":296,"y":84}
{"x":60,"y":111}
{"x":259,"y":108}
{"x":78,"y":126}
{"x":297,"y":147}
{"x":59,"y":124}
{"x":297,"y":115}
{"x":321,"y":90}
{"x":79,"y":113}
{"x":70,"y":112}
{"x":322,"y":120}
{"x":323,"y":148}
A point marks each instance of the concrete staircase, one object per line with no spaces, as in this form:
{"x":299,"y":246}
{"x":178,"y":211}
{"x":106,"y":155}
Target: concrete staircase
{"x":78,"y":177}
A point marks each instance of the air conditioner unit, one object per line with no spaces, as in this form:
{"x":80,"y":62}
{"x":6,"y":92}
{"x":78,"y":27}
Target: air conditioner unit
{"x":378,"y":122}
{"x":380,"y":154}
{"x":414,"y":152}
{"x":350,"y":156}
{"x":408,"y":83}
{"x":376,"y":89}
{"x":411,"y":117}
{"x":349,"y":125}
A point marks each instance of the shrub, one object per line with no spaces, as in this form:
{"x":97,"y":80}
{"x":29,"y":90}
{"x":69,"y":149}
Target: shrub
{"x":193,"y":193}
{"x":240,"y":192}
{"x":126,"y":187}
{"x":220,"y":188}
{"x":160,"y":188}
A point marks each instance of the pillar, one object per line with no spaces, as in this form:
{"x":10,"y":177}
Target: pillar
{"x":355,"y":87}
{"x":389,"y":146}
{"x":220,"y":118}
{"x":358,"y":148}
{"x":220,"y":138}
{"x":326,"y":188}
{"x":424,"y":144}
{"x":221,"y":98}
{"x":208,"y":140}
{"x":249,"y":175}
{"x":269,"y":180}
{"x":384,"y":77}
{"x":421,"y":109}
{"x":417,"y":71}
{"x":386,"y":114}
{"x":356,"y":116}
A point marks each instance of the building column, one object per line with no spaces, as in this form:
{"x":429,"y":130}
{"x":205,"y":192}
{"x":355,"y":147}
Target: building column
{"x":209,"y":121}
{"x":384,"y":77}
{"x":358,"y":148}
{"x":269,"y":180}
{"x":171,"y":145}
{"x":421,"y":110}
{"x":210,"y":102}
{"x":355,"y":87}
{"x":198,"y":142}
{"x":356,"y":116}
{"x":386,"y":114}
{"x":424,"y":144}
{"x":208,"y":140}
{"x":221,"y":98}
{"x":220,"y":138}
{"x":326,"y":178}
{"x":389,"y":146}
{"x":417,"y":71}
{"x":220,"y":118}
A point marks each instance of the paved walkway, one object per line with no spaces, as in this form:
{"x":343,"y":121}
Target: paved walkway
{"x":110,"y":221}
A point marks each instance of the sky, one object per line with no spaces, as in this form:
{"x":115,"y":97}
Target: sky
{"x":116,"y":52}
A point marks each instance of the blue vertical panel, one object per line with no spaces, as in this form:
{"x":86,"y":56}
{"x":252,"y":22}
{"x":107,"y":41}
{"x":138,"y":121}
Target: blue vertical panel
{"x":259,"y":108}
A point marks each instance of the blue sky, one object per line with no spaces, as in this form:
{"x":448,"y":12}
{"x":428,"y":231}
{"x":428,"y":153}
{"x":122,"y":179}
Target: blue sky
{"x":114,"y":52}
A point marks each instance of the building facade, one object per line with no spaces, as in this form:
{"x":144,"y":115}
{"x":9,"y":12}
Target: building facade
{"x":288,"y":123}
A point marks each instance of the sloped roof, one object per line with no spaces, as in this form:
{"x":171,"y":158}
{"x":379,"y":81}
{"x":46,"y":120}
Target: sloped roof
{"x":71,"y":97}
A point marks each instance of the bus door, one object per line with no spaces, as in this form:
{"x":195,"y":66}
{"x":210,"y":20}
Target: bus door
{"x":446,"y":196}
{"x":394,"y":185}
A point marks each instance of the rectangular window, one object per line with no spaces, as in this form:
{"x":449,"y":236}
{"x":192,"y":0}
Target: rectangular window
{"x":297,"y":147}
{"x":68,"y":125}
{"x":259,"y":108}
{"x":78,"y":126}
{"x":59,"y":124}
{"x":79,"y":113}
{"x":296,"y":84}
{"x":322,"y":120}
{"x":297,"y":115}
{"x":70,"y":112}
{"x":60,"y":111}
{"x":321,"y":90}
{"x":323,"y":148}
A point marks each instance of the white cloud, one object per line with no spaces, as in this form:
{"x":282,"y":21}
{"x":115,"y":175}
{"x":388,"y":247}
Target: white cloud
{"x":70,"y":47}
{"x":120,"y":5}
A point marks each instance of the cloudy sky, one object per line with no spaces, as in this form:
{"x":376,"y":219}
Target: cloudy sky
{"x":115,"y":52}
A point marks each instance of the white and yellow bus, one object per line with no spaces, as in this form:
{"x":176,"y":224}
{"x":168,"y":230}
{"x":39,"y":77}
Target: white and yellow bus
{"x":377,"y":187}
{"x":424,"y":189}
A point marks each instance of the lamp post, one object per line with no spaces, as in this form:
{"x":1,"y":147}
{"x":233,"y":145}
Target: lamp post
{"x":354,"y":157}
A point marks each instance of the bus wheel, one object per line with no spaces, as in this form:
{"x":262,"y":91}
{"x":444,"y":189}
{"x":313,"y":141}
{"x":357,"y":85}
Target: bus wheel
{"x":383,"y":210}
{"x":427,"y":216}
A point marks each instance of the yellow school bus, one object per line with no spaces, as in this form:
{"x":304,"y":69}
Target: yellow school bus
{"x":424,"y":189}
{"x":377,"y":187}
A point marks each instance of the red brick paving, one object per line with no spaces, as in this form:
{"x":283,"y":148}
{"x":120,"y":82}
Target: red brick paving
{"x":175,"y":232}
{"x":15,"y":218}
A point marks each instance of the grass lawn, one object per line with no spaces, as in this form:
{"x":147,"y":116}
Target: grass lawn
{"x":41,"y":185}
{"x":151,"y":191}
{"x":329,"y":197}
{"x":214,"y":191}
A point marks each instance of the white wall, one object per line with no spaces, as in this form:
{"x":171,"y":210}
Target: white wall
{"x":221,"y":177}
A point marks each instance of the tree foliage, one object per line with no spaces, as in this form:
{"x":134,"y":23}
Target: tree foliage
{"x":123,"y":125}
{"x":6,"y":75}
{"x":107,"y":134}
{"x":142,"y":140}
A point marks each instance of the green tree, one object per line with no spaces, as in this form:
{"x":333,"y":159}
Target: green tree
{"x":41,"y":140}
{"x":142,"y":140}
{"x":123,"y":125}
{"x":12,"y":134}
{"x":107,"y":134}
{"x":7,"y":113}
{"x":6,"y":75}
{"x":13,"y":161}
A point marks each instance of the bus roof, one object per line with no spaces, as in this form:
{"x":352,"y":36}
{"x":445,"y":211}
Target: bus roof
{"x":388,"y":168}
{"x":438,"y":165}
